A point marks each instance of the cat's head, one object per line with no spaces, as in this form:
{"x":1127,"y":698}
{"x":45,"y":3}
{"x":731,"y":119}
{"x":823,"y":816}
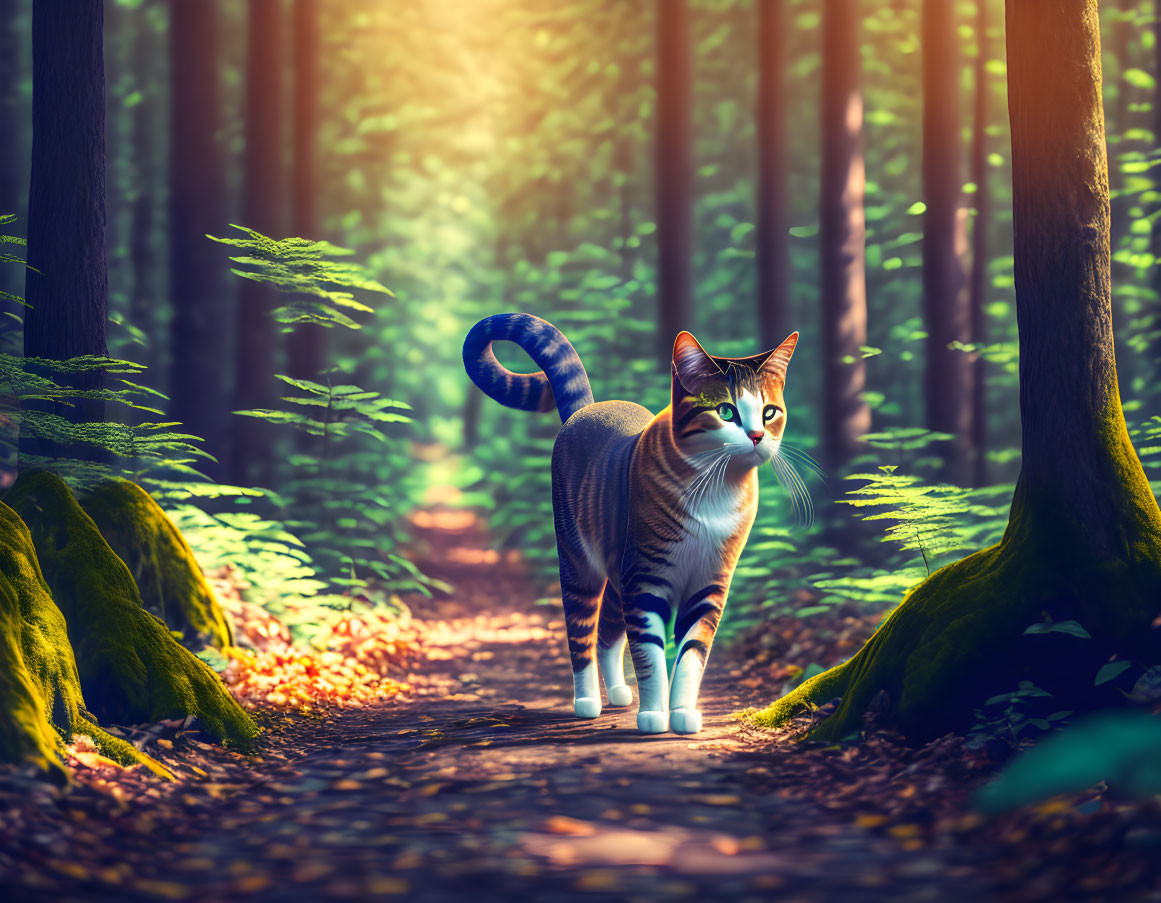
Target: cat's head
{"x":731,"y":405}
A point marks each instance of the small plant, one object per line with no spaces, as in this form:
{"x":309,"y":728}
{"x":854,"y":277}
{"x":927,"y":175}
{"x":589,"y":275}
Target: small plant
{"x":1012,"y":717}
{"x":924,"y":518}
{"x":341,"y":499}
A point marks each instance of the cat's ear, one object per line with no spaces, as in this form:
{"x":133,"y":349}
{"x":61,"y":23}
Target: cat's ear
{"x":691,"y":364}
{"x":779,"y":359}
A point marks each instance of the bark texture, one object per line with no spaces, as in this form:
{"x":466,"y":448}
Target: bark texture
{"x":197,"y":208}
{"x":842,"y":237}
{"x":947,"y":373}
{"x":674,"y":164}
{"x":772,"y":244}
{"x":978,"y":288}
{"x":67,"y":283}
{"x":262,"y":209}
{"x":1084,"y":536}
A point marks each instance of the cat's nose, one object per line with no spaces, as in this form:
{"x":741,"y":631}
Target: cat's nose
{"x":756,"y":436}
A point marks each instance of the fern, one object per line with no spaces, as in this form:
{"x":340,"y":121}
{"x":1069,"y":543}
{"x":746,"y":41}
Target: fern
{"x":923,"y":517}
{"x":344,"y":503}
{"x":307,"y":272}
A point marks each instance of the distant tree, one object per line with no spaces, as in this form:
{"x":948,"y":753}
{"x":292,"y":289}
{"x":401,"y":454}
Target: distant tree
{"x":306,"y":344}
{"x":947,"y":373}
{"x":842,"y":235}
{"x":979,"y":272}
{"x":199,"y":329}
{"x":772,"y":246}
{"x":1083,"y":543}
{"x":262,"y":209}
{"x":13,"y":163}
{"x":67,"y":282}
{"x":674,"y":167}
{"x":143,"y":223}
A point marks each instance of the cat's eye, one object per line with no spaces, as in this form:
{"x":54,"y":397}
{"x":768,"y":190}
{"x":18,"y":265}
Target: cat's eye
{"x":727,"y":412}
{"x":769,"y":413}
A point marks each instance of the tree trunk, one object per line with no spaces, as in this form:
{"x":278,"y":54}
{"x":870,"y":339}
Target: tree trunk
{"x":772,"y":246}
{"x":947,"y":373}
{"x":674,"y":174}
{"x":262,"y":209}
{"x":306,"y":345}
{"x":197,"y":208}
{"x":980,"y":258}
{"x":67,"y":283}
{"x":1084,"y":537}
{"x":13,"y":159}
{"x":842,"y":236}
{"x":145,"y":297}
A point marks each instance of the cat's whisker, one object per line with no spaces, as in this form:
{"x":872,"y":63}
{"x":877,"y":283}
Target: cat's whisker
{"x":705,"y":474}
{"x":799,"y":456}
{"x":703,"y":484}
{"x":801,"y":503}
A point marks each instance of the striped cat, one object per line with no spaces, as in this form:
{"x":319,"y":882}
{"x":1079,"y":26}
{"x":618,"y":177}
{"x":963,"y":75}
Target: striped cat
{"x":651,"y":512}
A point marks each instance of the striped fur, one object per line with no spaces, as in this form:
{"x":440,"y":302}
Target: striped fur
{"x":562,"y":379}
{"x":651,"y":516}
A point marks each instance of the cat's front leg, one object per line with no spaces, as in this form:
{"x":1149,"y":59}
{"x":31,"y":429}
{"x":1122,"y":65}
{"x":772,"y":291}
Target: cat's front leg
{"x":694,"y":629}
{"x":647,"y":611}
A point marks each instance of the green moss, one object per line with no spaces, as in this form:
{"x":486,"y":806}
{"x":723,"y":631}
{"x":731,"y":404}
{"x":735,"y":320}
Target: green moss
{"x":41,"y":703}
{"x":959,"y":637}
{"x":131,"y":668}
{"x":171,"y":584}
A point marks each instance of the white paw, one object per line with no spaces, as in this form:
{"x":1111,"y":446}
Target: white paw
{"x":620,"y":696}
{"x":587,"y":707}
{"x":653,"y":722}
{"x":685,"y":721}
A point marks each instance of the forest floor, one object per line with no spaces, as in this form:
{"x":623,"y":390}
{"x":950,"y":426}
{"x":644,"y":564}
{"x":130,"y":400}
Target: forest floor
{"x":479,"y":783}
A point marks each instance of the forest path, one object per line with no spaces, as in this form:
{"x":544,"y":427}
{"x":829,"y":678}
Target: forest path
{"x":482,"y":785}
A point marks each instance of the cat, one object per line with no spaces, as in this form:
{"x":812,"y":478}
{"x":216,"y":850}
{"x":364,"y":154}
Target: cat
{"x":651,"y":512}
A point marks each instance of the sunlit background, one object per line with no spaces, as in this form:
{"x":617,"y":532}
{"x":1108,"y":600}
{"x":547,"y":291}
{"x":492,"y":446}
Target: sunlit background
{"x":482,"y":156}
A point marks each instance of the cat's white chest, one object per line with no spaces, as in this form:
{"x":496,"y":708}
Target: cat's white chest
{"x":719,"y":515}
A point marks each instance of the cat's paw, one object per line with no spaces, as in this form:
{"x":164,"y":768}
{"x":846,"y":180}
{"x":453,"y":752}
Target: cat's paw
{"x":653,"y":722}
{"x":587,"y":707}
{"x":620,"y":696}
{"x":685,"y":721}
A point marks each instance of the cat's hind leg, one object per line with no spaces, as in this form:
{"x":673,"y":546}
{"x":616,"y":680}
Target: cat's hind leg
{"x":581,"y":594}
{"x":647,"y":613}
{"x":611,"y":640}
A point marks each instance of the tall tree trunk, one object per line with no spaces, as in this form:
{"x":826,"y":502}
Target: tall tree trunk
{"x":772,"y":249}
{"x":13,"y":161}
{"x":306,"y":345}
{"x":262,"y":209}
{"x":842,"y":235}
{"x":197,"y":208}
{"x":67,"y":282}
{"x":947,"y":373}
{"x":1084,"y":536}
{"x":980,"y":258}
{"x":143,"y":301}
{"x":674,"y":173}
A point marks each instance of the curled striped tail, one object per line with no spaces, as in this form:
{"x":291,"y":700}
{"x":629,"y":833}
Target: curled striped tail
{"x":563,"y":378}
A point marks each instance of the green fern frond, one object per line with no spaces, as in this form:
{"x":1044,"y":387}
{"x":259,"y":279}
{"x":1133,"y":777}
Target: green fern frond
{"x":307,"y":271}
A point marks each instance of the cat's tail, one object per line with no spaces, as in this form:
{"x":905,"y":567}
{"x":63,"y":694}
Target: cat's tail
{"x":563,"y":379}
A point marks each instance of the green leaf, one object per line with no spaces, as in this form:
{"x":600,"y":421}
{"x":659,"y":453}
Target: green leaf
{"x":1110,"y":671}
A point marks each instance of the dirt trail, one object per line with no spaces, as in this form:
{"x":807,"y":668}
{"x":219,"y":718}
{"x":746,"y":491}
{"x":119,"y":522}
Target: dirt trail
{"x":483,"y":786}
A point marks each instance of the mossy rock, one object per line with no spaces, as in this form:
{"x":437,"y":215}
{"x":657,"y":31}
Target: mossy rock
{"x":163,"y":566}
{"x":131,"y":668}
{"x":41,"y":703}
